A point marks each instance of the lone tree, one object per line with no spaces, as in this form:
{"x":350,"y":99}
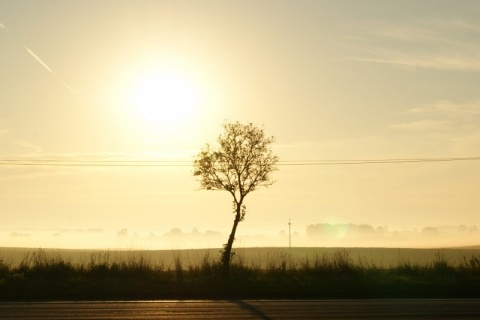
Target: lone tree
{"x":242,"y":161}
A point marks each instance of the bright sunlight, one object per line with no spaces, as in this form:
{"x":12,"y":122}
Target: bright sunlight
{"x":161,"y":100}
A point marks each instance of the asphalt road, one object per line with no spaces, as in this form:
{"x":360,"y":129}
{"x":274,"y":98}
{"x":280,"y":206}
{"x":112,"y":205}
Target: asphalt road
{"x":245,"y":309}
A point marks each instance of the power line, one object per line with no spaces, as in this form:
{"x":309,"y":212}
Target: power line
{"x":185,"y":163}
{"x":96,"y":163}
{"x":373,"y":161}
{"x":88,"y":164}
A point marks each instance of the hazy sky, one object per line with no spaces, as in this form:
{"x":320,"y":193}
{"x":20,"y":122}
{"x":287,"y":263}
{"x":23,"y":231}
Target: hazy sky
{"x":154,"y":80}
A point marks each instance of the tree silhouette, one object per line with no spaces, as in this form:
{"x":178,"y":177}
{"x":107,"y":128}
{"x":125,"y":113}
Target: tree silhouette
{"x":242,"y":161}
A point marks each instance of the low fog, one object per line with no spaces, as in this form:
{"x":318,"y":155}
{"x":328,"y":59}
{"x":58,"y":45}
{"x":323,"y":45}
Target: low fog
{"x":313,"y":235}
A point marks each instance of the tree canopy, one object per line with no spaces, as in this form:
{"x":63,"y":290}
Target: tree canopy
{"x":240,"y":163}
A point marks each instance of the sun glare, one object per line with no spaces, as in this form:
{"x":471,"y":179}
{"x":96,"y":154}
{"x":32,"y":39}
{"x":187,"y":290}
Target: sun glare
{"x":161,"y":100}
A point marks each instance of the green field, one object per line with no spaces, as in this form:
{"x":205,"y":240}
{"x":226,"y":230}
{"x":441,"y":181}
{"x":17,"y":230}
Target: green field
{"x":326,"y":273}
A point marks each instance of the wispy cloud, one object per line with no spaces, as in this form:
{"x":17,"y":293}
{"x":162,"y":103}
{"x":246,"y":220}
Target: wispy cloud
{"x":423,"y":125}
{"x":449,"y":108}
{"x":467,"y":143}
{"x":443,"y":114}
{"x":453,"y":126}
{"x":34,"y":148}
{"x":3,"y":128}
{"x":450,"y":45}
{"x":441,"y":62}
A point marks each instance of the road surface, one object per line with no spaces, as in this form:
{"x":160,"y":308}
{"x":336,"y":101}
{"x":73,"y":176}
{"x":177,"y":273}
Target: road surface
{"x":244,"y":309}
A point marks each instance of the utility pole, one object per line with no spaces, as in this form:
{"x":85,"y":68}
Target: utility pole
{"x":289,"y":235}
{"x":289,"y":240}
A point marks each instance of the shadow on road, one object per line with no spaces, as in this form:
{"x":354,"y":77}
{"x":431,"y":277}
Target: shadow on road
{"x":253,"y":310}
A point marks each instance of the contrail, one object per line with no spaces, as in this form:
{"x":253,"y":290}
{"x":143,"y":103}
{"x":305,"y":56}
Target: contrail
{"x":66,"y":84}
{"x":47,"y":67}
{"x":3,"y":27}
{"x":37,"y":58}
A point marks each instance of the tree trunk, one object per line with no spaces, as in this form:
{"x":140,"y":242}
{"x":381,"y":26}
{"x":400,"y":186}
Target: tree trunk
{"x":227,"y":251}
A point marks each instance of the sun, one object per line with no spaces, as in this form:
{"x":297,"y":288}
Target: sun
{"x":162,"y":100}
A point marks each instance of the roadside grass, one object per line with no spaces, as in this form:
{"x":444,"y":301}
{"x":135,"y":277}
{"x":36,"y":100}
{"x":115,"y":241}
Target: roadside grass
{"x":43,"y":276}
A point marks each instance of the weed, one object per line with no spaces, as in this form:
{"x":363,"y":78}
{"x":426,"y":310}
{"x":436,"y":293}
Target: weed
{"x":335,"y":275}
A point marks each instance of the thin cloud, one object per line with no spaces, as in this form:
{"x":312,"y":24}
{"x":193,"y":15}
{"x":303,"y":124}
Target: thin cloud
{"x":455,"y":125}
{"x":3,"y":129}
{"x":445,"y":107}
{"x":412,"y":34}
{"x":467,"y":62}
{"x":28,"y":145}
{"x":467,"y":26}
{"x":48,"y":68}
{"x":441,"y":45}
{"x":467,"y":144}
{"x":423,"y":125}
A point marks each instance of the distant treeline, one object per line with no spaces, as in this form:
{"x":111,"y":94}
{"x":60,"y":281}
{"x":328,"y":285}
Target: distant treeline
{"x":367,"y":235}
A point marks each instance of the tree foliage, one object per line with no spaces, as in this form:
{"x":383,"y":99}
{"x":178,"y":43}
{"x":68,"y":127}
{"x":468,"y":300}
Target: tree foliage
{"x":240,"y":163}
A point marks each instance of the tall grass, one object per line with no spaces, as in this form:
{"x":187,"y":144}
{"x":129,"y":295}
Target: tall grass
{"x":43,"y":276}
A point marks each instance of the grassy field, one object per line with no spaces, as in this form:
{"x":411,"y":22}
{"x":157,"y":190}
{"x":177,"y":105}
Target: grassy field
{"x":27,"y":274}
{"x":259,"y":257}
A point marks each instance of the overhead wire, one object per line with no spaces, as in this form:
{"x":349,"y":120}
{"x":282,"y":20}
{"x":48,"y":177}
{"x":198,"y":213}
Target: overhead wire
{"x":373,"y":161}
{"x":186,"y":163}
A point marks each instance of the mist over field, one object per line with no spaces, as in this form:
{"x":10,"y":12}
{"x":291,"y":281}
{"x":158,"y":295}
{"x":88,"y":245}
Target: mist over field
{"x":313,"y":235}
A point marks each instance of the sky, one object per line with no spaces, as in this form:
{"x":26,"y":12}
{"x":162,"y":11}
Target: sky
{"x":96,"y":83}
